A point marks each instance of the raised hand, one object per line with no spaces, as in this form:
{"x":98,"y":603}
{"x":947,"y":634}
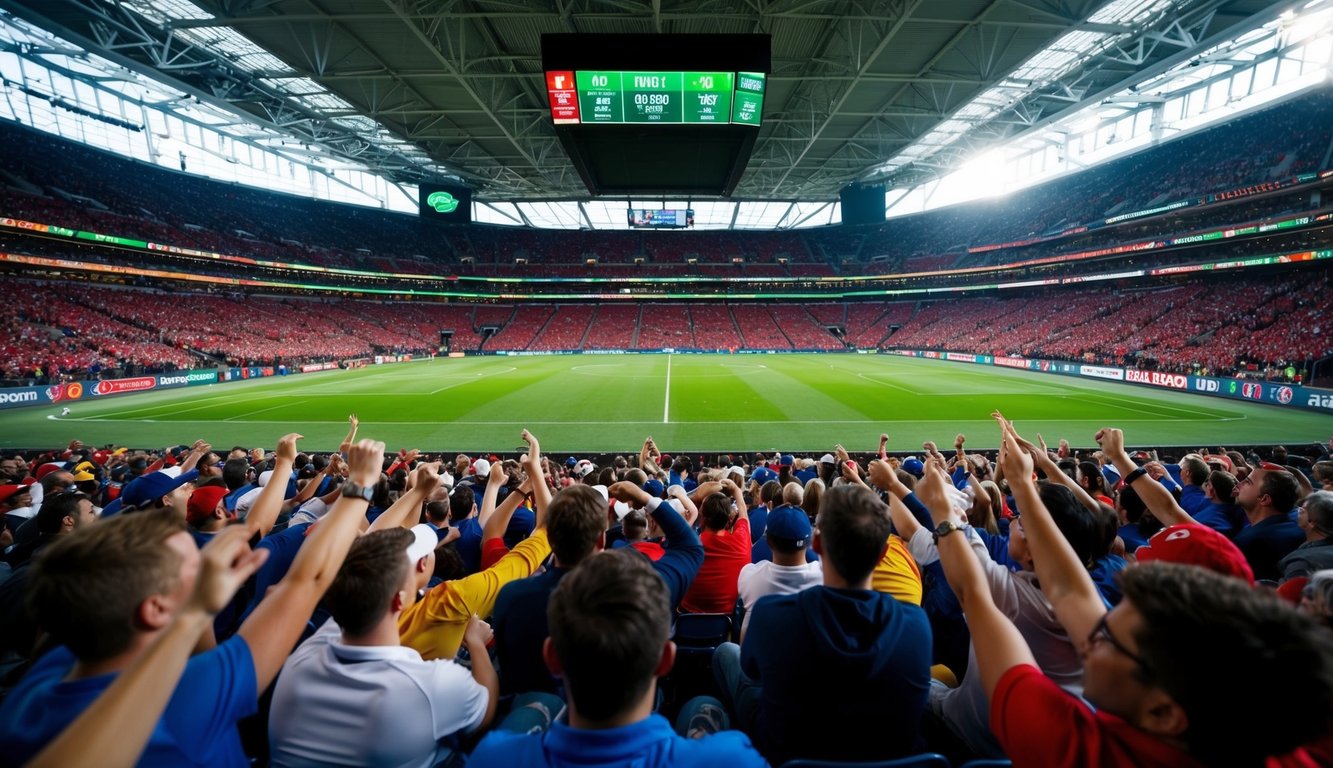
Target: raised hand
{"x":225,"y":564}
{"x":498,"y":474}
{"x":287,"y":446}
{"x":478,"y":633}
{"x":365,"y":462}
{"x":534,"y":447}
{"x":629,"y":493}
{"x":426,"y":478}
{"x":1111,"y":440}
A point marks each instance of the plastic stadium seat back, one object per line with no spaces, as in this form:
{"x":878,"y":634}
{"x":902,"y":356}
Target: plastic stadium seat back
{"x":702,"y":630}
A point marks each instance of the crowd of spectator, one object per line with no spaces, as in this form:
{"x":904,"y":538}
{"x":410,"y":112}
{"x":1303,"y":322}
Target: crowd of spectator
{"x":1215,"y":325}
{"x":1049,"y":606}
{"x":66,"y":184}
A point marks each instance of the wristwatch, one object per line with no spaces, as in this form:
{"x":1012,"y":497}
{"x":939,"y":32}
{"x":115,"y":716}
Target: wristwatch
{"x":945,"y":528}
{"x":351,"y":490}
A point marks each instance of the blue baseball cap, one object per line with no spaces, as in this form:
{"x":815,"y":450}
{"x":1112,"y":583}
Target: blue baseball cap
{"x":913,"y":466}
{"x":654,"y":488}
{"x":789,"y":524}
{"x":154,"y":485}
{"x":787,"y":460}
{"x":762,"y":475}
{"x":571,"y":461}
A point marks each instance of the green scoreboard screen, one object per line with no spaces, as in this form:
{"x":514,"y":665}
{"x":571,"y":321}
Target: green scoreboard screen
{"x":589,"y":97}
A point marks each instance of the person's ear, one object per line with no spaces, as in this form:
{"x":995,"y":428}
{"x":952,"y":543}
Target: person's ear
{"x":601,"y":542}
{"x":551,"y":659}
{"x":667,"y":661}
{"x":817,"y":544}
{"x":155,"y":612}
{"x":1160,"y":715}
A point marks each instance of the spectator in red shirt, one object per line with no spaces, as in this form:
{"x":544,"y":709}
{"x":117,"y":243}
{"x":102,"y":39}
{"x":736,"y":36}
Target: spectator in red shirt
{"x":726,"y":540}
{"x":1161,"y":668}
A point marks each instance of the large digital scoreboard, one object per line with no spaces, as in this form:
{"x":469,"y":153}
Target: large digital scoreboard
{"x":585,"y":97}
{"x":661,"y":115}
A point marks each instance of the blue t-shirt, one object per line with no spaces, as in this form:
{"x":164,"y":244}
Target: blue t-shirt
{"x":520,"y":627}
{"x":198,"y":726}
{"x":845,"y":674}
{"x":469,"y":544}
{"x":648,"y":743}
{"x":282,"y":549}
{"x":758,"y":522}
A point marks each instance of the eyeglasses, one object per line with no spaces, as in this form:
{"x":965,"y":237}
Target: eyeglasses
{"x":1102,"y":631}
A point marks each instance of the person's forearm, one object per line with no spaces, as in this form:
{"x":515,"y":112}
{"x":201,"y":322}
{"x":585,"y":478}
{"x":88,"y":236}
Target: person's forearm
{"x":266,"y":508}
{"x":903,"y":521}
{"x":997,"y":642}
{"x":484,"y":673}
{"x":488,"y":496}
{"x":118,"y":724}
{"x":917,"y":509}
{"x":1063,"y":577}
{"x":404,"y":512}
{"x":498,"y":522}
{"x":308,"y":490}
{"x":541,"y":494}
{"x":1154,"y":495}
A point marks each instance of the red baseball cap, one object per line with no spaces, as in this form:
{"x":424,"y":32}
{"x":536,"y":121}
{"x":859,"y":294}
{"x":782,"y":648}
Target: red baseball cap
{"x":10,"y":490}
{"x":203,"y":502}
{"x":1194,"y":544}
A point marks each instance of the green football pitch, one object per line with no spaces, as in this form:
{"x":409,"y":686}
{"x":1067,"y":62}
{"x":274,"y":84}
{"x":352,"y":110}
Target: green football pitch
{"x":695,"y":403}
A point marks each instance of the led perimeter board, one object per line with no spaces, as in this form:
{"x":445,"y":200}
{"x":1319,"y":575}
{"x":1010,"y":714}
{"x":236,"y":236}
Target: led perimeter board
{"x":657,"y":114}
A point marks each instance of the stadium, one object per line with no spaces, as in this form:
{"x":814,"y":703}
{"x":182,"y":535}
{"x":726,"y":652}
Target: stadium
{"x":731,"y":285}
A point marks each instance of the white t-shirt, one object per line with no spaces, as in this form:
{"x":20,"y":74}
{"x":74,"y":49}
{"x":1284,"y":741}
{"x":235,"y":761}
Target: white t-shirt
{"x":764,"y":578}
{"x":339,"y":704}
{"x":965,"y":708}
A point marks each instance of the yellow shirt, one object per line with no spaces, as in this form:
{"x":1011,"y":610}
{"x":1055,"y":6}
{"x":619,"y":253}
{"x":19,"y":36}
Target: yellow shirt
{"x":434,"y":625}
{"x":897,"y":573}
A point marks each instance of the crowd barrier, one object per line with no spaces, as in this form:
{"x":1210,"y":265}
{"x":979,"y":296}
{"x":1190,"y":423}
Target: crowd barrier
{"x":72,"y":391}
{"x":1277,"y":393}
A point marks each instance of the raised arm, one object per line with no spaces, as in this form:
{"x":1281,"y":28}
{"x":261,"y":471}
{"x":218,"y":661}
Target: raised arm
{"x":1041,"y":459}
{"x":476,"y":637}
{"x":1064,"y":579}
{"x":534,"y":466}
{"x":498,"y":522}
{"x":737,"y":497}
{"x":497,"y":478}
{"x":199,"y":450}
{"x":999,"y":645}
{"x":406,"y":511}
{"x":266,"y":508}
{"x":1155,"y":497}
{"x":684,"y":551}
{"x":884,"y":478}
{"x":276,"y":624}
{"x":115,"y":729}
{"x":353,"y":422}
{"x":690,"y":511}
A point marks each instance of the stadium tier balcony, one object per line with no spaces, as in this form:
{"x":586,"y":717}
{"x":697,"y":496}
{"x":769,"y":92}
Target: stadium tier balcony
{"x":522,"y":329}
{"x":665,"y":326}
{"x":715,"y":328}
{"x":614,"y":327}
{"x":758,"y":328}
{"x":565,"y":330}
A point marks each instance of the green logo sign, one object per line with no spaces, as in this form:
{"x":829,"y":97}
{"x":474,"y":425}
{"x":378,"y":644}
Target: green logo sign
{"x":442,"y":202}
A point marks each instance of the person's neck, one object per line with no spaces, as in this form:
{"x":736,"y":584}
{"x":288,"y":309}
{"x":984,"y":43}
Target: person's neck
{"x":789,"y":559}
{"x":1261,"y":513}
{"x":383,"y":633}
{"x":85,"y":669}
{"x":641,"y":710}
{"x":835,"y":580}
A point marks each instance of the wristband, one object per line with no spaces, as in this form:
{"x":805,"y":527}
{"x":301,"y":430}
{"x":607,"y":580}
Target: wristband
{"x":1135,"y":475}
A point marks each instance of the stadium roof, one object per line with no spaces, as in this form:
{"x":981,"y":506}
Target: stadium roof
{"x":897,"y":91}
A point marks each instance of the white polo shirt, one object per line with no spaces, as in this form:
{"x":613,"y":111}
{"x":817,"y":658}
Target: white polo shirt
{"x":338,"y":704}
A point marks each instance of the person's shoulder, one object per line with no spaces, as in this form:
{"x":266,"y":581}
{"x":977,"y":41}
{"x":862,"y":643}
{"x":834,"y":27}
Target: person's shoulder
{"x":724,"y":748}
{"x":507,"y":748}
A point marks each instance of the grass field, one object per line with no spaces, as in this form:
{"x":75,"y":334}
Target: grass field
{"x":686,"y":402}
